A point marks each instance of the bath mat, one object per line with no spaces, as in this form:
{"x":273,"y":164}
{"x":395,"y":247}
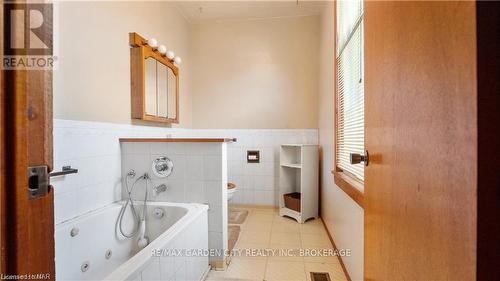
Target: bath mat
{"x":237,"y":216}
{"x":233,"y":232}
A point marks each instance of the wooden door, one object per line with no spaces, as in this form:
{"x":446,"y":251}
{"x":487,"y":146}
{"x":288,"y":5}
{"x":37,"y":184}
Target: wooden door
{"x":27,"y":233}
{"x":421,"y":133}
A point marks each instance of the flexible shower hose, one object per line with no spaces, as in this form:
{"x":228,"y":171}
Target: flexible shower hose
{"x":130,"y":202}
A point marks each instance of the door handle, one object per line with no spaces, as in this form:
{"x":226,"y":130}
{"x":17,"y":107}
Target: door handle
{"x":356,"y":158}
{"x":66,"y":170}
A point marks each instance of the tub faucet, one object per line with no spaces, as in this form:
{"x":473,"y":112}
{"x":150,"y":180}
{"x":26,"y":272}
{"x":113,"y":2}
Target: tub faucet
{"x":160,"y":188}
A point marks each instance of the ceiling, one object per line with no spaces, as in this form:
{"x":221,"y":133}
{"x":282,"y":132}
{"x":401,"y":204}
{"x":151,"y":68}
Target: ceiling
{"x":219,"y":11}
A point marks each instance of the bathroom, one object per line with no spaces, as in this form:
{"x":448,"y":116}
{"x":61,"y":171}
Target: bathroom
{"x":249,"y":76}
{"x":228,"y":140}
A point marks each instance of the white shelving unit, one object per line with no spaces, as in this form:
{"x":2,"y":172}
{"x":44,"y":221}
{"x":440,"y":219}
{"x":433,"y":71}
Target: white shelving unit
{"x":299,"y":164}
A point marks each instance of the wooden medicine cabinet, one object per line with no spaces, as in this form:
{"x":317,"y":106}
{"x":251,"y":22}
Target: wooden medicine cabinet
{"x":154,"y":83}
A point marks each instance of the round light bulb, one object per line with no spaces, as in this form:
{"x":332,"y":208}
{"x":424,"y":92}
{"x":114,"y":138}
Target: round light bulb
{"x":170,"y":55}
{"x":153,"y":43}
{"x":162,"y":49}
{"x":178,"y":60}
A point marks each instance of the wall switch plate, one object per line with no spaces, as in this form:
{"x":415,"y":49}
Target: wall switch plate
{"x":253,"y":156}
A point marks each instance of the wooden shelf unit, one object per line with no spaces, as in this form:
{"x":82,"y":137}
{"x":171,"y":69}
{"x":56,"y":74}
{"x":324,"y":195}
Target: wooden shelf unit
{"x":299,"y":171}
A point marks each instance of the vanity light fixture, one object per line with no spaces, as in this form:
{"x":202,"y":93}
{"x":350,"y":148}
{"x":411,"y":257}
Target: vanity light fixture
{"x":170,"y":55}
{"x":162,"y":49}
{"x":178,"y":60}
{"x":152,"y":43}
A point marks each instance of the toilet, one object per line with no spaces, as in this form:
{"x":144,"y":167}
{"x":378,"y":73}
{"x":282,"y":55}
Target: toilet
{"x":231,"y":190}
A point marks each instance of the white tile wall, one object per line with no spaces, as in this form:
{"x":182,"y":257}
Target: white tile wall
{"x":199,"y":176}
{"x":93,"y":148}
{"x":258,"y":182}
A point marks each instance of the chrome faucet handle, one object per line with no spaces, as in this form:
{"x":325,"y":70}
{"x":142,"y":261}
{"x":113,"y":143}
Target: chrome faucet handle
{"x":131,"y":173}
{"x":162,"y":167}
{"x":160,"y":188}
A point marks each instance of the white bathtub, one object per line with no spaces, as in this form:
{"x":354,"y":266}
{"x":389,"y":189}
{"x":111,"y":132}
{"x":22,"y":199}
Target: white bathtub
{"x":183,"y":226}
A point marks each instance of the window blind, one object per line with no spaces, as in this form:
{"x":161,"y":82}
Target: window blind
{"x":349,"y":12}
{"x":350,"y":96}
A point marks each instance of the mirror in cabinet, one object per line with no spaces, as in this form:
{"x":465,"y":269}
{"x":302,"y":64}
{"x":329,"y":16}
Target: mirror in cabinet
{"x":154,"y":83}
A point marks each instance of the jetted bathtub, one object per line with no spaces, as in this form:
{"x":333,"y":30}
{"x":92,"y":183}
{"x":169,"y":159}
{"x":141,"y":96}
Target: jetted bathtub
{"x":90,"y":247}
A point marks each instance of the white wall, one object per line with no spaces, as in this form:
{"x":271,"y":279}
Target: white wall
{"x":249,"y":74}
{"x":256,"y":74}
{"x":343,"y":217}
{"x":94,"y":149}
{"x":92,"y":81}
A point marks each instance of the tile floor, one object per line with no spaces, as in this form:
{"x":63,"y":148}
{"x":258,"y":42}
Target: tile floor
{"x":265,"y":229}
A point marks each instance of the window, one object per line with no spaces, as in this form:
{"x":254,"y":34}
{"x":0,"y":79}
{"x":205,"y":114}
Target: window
{"x":349,"y":87}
